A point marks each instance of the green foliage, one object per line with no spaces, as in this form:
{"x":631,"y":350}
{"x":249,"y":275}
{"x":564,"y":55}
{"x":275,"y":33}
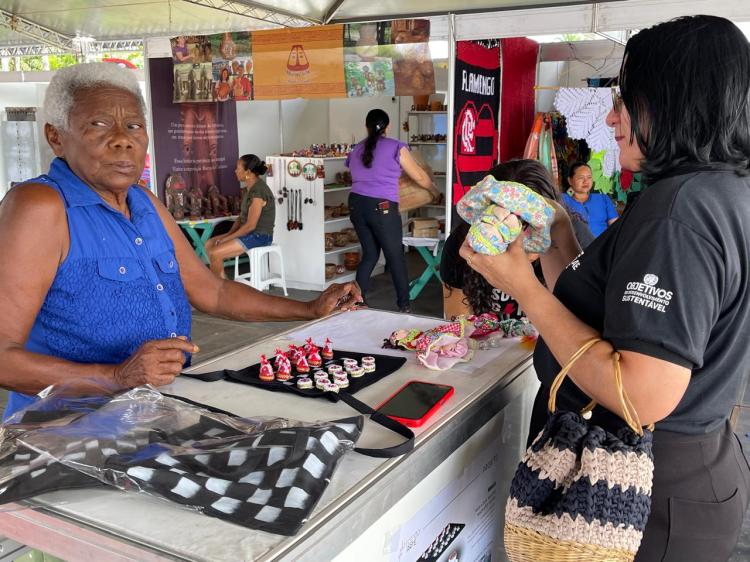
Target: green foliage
{"x":36,"y":63}
{"x":61,"y":61}
{"x":32,"y":64}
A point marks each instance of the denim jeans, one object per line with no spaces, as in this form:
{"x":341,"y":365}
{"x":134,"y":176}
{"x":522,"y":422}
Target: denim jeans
{"x":255,"y":240}
{"x":380,"y":230}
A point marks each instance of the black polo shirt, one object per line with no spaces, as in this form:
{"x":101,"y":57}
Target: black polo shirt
{"x":670,"y":280}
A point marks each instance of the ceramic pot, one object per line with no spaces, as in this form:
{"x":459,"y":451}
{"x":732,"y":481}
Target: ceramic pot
{"x":330,"y":270}
{"x":352,"y":234}
{"x":340,"y":239}
{"x":351,"y":260}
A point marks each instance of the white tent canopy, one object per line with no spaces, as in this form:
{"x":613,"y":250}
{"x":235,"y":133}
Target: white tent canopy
{"x":56,"y":25}
{"x":41,"y":26}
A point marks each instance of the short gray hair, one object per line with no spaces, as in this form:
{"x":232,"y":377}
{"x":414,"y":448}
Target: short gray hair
{"x":58,"y":101}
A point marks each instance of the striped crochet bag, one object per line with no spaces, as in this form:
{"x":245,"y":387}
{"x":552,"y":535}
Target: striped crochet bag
{"x":581,"y":493}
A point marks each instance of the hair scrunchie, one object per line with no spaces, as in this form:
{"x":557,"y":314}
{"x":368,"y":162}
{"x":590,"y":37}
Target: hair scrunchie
{"x":481,"y":207}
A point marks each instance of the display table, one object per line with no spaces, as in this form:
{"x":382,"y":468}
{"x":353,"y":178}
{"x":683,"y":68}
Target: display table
{"x":108,"y":525}
{"x":431,"y":250}
{"x":201,"y":230}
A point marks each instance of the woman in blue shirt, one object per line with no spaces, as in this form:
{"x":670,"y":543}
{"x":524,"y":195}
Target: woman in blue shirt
{"x":596,"y":208}
{"x":96,"y":277}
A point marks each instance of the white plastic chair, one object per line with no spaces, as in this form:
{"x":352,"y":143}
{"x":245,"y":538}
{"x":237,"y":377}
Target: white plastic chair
{"x":260,"y":276}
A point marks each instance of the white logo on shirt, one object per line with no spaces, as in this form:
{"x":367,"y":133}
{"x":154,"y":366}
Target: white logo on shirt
{"x":576,"y":263}
{"x":647,"y":294}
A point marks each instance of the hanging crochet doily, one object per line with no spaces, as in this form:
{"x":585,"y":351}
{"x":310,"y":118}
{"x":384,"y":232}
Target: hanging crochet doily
{"x":585,"y":111}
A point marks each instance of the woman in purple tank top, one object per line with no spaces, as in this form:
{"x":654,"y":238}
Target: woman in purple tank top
{"x":376,"y":164}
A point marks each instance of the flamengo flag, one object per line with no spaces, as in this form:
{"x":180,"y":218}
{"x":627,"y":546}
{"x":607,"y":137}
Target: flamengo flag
{"x":475,"y":114}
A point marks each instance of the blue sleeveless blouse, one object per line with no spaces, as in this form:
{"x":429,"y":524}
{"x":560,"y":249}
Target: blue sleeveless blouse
{"x":118,"y":287}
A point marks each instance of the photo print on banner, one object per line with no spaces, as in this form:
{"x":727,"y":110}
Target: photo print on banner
{"x":232,"y":66}
{"x":388,"y":58}
{"x":193,"y":78}
{"x":475,"y":114}
{"x":210,"y":68}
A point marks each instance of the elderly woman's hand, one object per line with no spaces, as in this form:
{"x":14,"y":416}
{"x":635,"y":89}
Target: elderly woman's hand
{"x":338,"y":297}
{"x":157,"y":362}
{"x":511,"y":271}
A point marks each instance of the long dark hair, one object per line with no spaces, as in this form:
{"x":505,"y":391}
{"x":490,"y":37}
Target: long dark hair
{"x":253,"y":164}
{"x":376,"y":122}
{"x":477,"y":291}
{"x":685,"y":85}
{"x":574,"y":168}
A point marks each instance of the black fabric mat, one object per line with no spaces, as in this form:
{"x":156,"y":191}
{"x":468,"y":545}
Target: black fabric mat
{"x":384,"y":366}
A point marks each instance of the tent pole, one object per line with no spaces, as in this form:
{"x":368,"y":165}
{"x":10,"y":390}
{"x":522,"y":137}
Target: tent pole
{"x":450,"y":135}
{"x":154,"y":183}
{"x":281,"y":127}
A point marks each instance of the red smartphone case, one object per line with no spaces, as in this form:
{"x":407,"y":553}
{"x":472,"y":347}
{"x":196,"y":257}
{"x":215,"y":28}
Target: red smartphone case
{"x":417,"y":422}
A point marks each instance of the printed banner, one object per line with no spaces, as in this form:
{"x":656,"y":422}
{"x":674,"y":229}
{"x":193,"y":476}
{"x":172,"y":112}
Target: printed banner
{"x":195,"y":141}
{"x":475,"y":114}
{"x":212,"y":68}
{"x":399,"y":49}
{"x":299,"y":63}
{"x":370,"y":78}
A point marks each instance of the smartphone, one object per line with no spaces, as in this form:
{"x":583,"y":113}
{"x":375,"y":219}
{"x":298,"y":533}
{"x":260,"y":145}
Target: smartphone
{"x":415,"y":402}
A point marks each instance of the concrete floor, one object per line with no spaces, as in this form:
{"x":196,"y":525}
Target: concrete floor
{"x":216,"y":336}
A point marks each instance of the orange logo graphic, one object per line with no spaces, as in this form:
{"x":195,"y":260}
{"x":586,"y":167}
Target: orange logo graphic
{"x":297,"y":61}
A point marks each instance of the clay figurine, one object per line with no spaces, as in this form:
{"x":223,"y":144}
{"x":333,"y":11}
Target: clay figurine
{"x":314,"y":358}
{"x":280,"y":358}
{"x":266,"y":371}
{"x":295,"y":353}
{"x":175,"y":196}
{"x":327,"y":352}
{"x":219,"y":203}
{"x":284,"y":371}
{"x":195,"y":203}
{"x":309,"y":345}
{"x":301,"y":365}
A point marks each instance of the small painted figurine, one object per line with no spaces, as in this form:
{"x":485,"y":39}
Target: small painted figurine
{"x":284,"y":370}
{"x":294,"y":353}
{"x":314,"y":358}
{"x":280,"y":356}
{"x":266,"y":371}
{"x":327,"y":352}
{"x":302,"y":365}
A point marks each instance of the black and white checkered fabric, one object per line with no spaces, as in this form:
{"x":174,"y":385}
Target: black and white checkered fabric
{"x":263,"y":475}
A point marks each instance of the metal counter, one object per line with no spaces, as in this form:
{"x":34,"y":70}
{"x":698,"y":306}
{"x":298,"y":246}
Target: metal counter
{"x":108,"y":525}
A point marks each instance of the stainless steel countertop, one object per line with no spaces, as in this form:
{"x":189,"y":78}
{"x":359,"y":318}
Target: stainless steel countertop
{"x":111,"y":525}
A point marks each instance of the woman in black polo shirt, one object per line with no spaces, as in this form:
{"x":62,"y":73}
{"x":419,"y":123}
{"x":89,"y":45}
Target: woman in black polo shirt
{"x":667,"y":285}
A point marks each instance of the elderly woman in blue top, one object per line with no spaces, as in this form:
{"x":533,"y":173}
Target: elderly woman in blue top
{"x":96,"y":278}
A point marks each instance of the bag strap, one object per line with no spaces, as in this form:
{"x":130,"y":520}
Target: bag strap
{"x":628,"y":412}
{"x":385,"y":421}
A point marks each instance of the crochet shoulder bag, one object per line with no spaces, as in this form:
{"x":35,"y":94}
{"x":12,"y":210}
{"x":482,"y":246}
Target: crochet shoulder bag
{"x":581,"y":493}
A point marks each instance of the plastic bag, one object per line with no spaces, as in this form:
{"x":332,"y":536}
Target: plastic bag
{"x":264,"y":473}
